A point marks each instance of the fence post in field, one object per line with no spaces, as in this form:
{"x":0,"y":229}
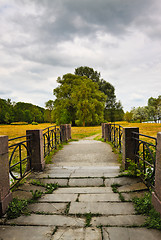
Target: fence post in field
{"x":35,"y":146}
{"x":63,"y":128}
{"x":5,"y":194}
{"x":128,"y":146}
{"x":156,"y":195}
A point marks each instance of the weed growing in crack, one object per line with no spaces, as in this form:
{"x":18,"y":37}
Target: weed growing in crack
{"x":50,"y":187}
{"x":67,"y":209}
{"x":115,"y":190}
{"x":115,"y":187}
{"x":88,"y":217}
{"x":35,"y":195}
{"x":37,"y":183}
{"x":16,"y":208}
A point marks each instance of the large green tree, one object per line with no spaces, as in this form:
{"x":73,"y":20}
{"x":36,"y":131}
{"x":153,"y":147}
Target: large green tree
{"x":113,"y":110}
{"x":78,"y":98}
{"x":48,"y":112}
{"x":140,"y":113}
{"x":154,"y":107}
{"x":6,"y":111}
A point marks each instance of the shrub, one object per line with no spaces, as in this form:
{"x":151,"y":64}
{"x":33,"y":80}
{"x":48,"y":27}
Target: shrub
{"x":34,"y":123}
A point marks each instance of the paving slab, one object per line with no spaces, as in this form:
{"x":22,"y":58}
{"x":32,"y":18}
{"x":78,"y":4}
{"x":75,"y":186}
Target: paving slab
{"x":101,"y":208}
{"x":48,"y":220}
{"x":71,"y":190}
{"x":121,"y":181}
{"x":58,"y":198}
{"x":108,"y":197}
{"x":60,"y":182}
{"x":31,"y":187}
{"x":111,"y":174}
{"x":77,"y":234}
{"x":133,"y":187}
{"x":125,"y":220}
{"x":85,"y":153}
{"x":116,"y":233}
{"x":25,"y":232}
{"x":21,"y":195}
{"x":53,"y":175}
{"x":130,"y":195}
{"x":84,"y":182}
{"x":52,"y":208}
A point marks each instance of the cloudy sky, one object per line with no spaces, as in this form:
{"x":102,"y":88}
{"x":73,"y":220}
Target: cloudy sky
{"x":43,"y":39}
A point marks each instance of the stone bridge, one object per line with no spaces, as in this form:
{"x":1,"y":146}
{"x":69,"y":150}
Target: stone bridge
{"x":84,"y":205}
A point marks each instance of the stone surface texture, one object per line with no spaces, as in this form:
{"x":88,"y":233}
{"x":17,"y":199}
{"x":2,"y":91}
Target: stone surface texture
{"x":84,"y":206}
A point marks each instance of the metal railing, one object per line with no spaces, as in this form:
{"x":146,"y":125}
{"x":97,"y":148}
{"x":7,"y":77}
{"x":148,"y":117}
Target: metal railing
{"x":52,"y":138}
{"x":145,"y":157}
{"x":116,"y":133}
{"x":19,"y":158}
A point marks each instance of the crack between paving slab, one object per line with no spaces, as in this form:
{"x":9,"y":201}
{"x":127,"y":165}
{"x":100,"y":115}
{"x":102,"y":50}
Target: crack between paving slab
{"x":107,"y":234}
{"x":62,"y":234}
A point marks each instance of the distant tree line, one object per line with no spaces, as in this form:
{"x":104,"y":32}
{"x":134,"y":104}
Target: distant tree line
{"x":84,"y":98}
{"x":151,"y":112}
{"x":22,"y":112}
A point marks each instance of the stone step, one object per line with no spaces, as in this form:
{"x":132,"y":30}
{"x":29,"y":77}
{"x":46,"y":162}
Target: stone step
{"x":103,"y":208}
{"x":48,"y":220}
{"x":108,"y":197}
{"x":118,"y":233}
{"x":26,"y":232}
{"x":86,"y":182}
{"x":89,"y":190}
{"x":52,"y":208}
{"x":120,"y":220}
{"x":77,"y":234}
{"x":58,"y":198}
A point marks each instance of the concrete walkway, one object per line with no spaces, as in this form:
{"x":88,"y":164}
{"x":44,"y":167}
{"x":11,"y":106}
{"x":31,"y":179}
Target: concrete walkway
{"x":84,"y":206}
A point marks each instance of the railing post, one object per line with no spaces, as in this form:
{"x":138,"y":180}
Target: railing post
{"x":109,"y":133}
{"x":63,"y":132}
{"x":103,"y":126}
{"x":106,"y":131}
{"x":5,"y":194}
{"x":156,"y":195}
{"x":128,"y":145}
{"x":35,"y":146}
{"x":69,"y":131}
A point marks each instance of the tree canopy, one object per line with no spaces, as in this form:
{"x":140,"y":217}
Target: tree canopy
{"x":78,"y":98}
{"x":113,"y":110}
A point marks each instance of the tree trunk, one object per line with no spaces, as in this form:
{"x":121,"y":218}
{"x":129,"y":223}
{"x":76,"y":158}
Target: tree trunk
{"x":84,"y":123}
